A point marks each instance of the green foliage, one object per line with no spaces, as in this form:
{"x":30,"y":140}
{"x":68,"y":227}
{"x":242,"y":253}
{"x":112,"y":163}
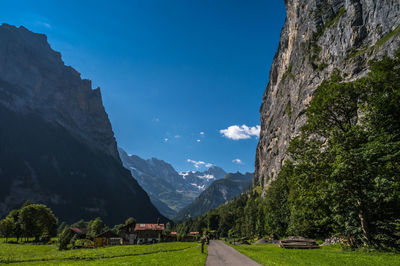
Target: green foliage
{"x":37,"y":220}
{"x":322,"y":66}
{"x":14,"y":216}
{"x":333,"y":20}
{"x":288,"y":73}
{"x":65,"y":238}
{"x":313,"y":46}
{"x":378,"y":44}
{"x":343,"y":176}
{"x":288,"y":109}
{"x":387,"y":37}
{"x":130,"y":220}
{"x":7,"y":227}
{"x":83,"y":243}
{"x":96,"y":227}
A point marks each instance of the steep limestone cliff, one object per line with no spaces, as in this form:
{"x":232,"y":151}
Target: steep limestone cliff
{"x":318,"y":37}
{"x":47,"y":87}
{"x":56,"y":142}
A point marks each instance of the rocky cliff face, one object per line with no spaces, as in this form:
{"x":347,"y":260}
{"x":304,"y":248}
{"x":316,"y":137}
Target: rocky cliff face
{"x":44,"y":85}
{"x":318,"y":37}
{"x":56,"y":142}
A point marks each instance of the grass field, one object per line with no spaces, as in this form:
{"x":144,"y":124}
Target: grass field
{"x":329,"y":255}
{"x":158,"y":254}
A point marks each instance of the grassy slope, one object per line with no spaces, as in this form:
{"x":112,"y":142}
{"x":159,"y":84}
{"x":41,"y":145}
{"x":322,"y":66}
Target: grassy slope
{"x":329,"y":255}
{"x":158,"y":254}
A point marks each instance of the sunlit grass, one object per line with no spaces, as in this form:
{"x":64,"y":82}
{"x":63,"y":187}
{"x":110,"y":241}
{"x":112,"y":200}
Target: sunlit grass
{"x":328,"y":255}
{"x":177,"y":253}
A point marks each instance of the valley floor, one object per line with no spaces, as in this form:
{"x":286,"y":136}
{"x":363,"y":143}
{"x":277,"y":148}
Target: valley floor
{"x":177,"y":253}
{"x":182,"y":253}
{"x":267,"y":254}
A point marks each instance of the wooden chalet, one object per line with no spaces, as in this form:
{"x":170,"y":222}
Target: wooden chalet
{"x":139,"y":233}
{"x":107,"y":238}
{"x":128,"y":234}
{"x":148,"y":233}
{"x":172,"y":237}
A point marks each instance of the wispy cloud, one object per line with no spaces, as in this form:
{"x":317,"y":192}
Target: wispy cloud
{"x":177,"y":136}
{"x":237,"y":161}
{"x":43,"y":24}
{"x":236,"y":132}
{"x":198,"y":164}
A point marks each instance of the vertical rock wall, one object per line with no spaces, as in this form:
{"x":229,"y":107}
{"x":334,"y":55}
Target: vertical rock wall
{"x":318,"y":37}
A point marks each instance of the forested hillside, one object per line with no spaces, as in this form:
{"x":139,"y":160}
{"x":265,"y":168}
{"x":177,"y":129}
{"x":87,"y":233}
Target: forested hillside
{"x":343,"y":175}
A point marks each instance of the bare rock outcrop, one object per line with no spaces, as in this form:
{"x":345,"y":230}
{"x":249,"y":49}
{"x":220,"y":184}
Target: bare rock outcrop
{"x":318,"y":37}
{"x":44,"y":85}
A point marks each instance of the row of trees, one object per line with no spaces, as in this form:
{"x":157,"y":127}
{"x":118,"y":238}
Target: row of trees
{"x":39,"y":222}
{"x":343,"y":175}
{"x":31,"y":220}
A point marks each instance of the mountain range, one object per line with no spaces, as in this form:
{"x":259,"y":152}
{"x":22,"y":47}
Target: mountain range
{"x":219,"y":192}
{"x":169,"y":190}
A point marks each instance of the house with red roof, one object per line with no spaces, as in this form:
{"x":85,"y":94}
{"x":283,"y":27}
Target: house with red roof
{"x":139,"y":233}
{"x":148,"y":233}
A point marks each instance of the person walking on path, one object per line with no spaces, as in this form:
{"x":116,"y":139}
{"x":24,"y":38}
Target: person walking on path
{"x":203,"y":241}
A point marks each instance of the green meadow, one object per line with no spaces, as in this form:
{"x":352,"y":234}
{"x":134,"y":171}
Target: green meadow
{"x":328,"y":255}
{"x":177,"y":253}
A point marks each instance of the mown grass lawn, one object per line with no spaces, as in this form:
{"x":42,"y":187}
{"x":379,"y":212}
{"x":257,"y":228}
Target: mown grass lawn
{"x":175,"y":253}
{"x":329,"y":255}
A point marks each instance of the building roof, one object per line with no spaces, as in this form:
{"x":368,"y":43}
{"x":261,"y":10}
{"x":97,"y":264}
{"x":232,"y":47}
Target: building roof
{"x":78,"y":230}
{"x":107,"y":234}
{"x":150,"y":227}
{"x":194,"y":233}
{"x":173,"y":233}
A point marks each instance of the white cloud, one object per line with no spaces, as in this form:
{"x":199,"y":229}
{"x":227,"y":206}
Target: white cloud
{"x":236,"y":132}
{"x":198,"y":140}
{"x":166,"y":140}
{"x":43,"y":24}
{"x":237,"y":161}
{"x":201,"y":133}
{"x":198,"y":164}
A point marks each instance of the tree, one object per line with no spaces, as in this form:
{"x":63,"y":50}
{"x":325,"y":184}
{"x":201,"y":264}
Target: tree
{"x":37,"y":220}
{"x":7,"y":227}
{"x":65,"y":238}
{"x":96,"y":226}
{"x":14,"y":216}
{"x":61,"y":227}
{"x":130,"y":220}
{"x":81,"y":224}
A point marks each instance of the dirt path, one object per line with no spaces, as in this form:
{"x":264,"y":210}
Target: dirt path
{"x":221,"y":254}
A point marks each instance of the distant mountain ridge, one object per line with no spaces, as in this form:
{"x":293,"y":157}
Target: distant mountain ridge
{"x":57,"y":146}
{"x":169,"y":190}
{"x":219,"y":192}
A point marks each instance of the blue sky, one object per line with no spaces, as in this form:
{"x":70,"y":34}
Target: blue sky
{"x":178,"y":78}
